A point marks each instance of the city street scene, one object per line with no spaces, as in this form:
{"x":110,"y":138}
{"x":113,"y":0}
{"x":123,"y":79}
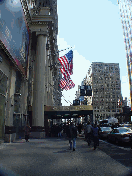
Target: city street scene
{"x":65,"y":88}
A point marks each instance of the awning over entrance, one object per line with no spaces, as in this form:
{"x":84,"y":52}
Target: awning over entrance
{"x":67,"y":112}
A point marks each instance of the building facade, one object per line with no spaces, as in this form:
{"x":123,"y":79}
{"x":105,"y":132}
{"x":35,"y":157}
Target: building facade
{"x":106,"y":89}
{"x":125,"y":7}
{"x":14,"y":40}
{"x":103,"y":80}
{"x":29,"y":66}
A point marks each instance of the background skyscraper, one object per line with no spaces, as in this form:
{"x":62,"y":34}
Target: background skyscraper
{"x":126,"y":19}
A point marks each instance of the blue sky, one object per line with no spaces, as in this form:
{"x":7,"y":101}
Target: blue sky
{"x":94,"y":30}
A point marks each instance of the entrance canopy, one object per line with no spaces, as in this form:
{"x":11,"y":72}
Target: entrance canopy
{"x":67,"y":112}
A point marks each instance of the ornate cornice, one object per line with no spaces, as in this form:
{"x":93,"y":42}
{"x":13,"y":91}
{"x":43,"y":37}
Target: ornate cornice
{"x":41,"y":18}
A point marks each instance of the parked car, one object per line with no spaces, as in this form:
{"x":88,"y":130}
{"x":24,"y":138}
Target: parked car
{"x":121,"y":134}
{"x":127,"y":125}
{"x":103,"y":131}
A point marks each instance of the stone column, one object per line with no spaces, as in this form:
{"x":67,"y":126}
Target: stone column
{"x":48,"y":80}
{"x":39,"y":84}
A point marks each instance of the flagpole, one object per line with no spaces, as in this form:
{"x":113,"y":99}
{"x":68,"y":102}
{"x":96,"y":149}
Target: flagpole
{"x":62,"y":50}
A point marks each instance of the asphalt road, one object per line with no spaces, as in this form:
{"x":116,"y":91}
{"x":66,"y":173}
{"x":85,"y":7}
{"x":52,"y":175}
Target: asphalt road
{"x":52,"y":156}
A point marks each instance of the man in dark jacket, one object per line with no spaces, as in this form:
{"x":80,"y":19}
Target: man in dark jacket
{"x":68,"y":134}
{"x":80,"y":128}
{"x":95,"y":131}
{"x":73,"y":132}
{"x":88,"y":132}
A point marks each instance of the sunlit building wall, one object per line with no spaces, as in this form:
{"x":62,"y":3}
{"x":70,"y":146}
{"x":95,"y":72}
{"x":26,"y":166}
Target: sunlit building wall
{"x":106,"y":89}
{"x":125,"y":7}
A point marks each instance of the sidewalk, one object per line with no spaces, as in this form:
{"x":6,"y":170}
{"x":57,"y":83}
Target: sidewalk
{"x":52,"y":157}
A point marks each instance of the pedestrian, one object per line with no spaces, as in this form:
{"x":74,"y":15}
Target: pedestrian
{"x":56,"y":130}
{"x":64,"y":130}
{"x":52,"y":131}
{"x":95,"y":131}
{"x":85,"y":132}
{"x":59,"y":130}
{"x":27,"y":132}
{"x":88,"y":133}
{"x":68,"y":134}
{"x":80,"y":128}
{"x":73,"y":132}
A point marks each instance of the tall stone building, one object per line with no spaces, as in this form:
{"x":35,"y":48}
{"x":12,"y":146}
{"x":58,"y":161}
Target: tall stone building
{"x":44,"y":74}
{"x":29,"y":72}
{"x":14,"y":41}
{"x":125,"y":7}
{"x":106,"y":89}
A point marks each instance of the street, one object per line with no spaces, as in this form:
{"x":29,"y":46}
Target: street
{"x":51,"y":156}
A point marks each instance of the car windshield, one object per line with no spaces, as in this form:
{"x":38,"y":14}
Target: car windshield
{"x":124,"y":130}
{"x":106,"y":128}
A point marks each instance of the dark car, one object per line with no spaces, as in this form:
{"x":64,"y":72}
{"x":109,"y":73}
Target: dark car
{"x":121,"y":134}
{"x":103,"y":131}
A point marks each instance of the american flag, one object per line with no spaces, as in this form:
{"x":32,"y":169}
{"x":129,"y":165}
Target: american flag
{"x":67,"y":70}
{"x":66,"y":84}
{"x":67,"y":62}
{"x":63,"y":83}
{"x":65,"y":73}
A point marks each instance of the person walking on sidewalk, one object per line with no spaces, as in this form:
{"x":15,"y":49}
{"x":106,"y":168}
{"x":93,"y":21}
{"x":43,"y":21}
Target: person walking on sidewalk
{"x":73,"y":131}
{"x":80,"y":128}
{"x":68,"y":134}
{"x":27,"y":132}
{"x":59,"y":131}
{"x":95,"y":131}
{"x":88,"y":133}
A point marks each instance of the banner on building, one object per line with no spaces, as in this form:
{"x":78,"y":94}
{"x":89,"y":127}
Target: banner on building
{"x":14,"y":32}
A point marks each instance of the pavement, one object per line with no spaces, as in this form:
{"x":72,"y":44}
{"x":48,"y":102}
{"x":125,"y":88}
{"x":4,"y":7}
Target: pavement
{"x":52,"y":157}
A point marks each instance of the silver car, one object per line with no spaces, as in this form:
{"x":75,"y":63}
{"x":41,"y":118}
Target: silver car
{"x":103,"y":131}
{"x":120,"y":134}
